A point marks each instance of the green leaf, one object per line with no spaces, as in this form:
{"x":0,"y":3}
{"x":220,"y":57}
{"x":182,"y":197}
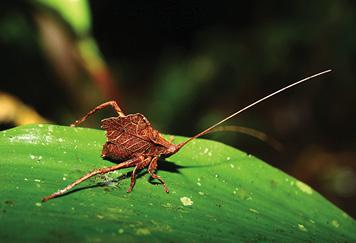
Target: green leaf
{"x":217,"y":194}
{"x":75,"y":13}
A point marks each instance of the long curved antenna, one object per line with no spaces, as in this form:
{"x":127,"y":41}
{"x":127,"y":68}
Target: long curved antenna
{"x":251,"y":105}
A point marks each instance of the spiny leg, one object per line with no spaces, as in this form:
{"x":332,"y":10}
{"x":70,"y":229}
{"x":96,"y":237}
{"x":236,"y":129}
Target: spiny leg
{"x":139,"y":166}
{"x":151,"y":168}
{"x":126,"y":164}
{"x":98,"y":108}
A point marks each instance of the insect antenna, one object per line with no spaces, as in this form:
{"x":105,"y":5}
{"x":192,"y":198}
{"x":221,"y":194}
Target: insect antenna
{"x":249,"y":106}
{"x":250,"y":132}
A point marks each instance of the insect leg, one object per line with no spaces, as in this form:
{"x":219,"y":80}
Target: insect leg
{"x":126,"y":164}
{"x":151,"y":168}
{"x":112,"y":103}
{"x":139,"y":166}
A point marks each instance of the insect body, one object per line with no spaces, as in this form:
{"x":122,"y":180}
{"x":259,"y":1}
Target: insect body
{"x":133,"y":142}
{"x":132,"y":136}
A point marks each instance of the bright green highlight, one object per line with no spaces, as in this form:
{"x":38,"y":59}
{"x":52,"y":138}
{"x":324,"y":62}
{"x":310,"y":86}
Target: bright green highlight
{"x":75,"y":12}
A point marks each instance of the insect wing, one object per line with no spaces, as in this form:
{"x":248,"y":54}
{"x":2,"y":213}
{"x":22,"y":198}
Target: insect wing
{"x":127,"y":136}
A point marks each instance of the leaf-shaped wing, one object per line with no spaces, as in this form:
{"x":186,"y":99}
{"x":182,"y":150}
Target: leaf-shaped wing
{"x":127,"y":137}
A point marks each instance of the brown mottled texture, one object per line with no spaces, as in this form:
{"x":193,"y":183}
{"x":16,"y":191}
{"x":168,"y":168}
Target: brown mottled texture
{"x":132,"y":136}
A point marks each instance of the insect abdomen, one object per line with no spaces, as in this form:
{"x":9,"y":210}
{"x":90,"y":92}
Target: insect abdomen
{"x":114,"y":152}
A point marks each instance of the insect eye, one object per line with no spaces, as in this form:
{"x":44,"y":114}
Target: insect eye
{"x":172,"y":149}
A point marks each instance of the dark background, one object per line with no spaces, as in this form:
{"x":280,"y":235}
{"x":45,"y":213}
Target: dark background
{"x":186,"y":65}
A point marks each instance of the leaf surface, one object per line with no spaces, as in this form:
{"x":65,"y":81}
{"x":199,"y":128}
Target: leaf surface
{"x":217,"y":194}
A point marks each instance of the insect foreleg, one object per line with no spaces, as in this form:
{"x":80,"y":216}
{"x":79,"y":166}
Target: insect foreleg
{"x":151,"y":169}
{"x":98,"y":108}
{"x":139,"y":166}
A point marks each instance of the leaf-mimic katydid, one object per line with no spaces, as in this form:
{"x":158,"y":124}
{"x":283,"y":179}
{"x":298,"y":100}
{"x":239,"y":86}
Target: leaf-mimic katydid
{"x":133,"y":142}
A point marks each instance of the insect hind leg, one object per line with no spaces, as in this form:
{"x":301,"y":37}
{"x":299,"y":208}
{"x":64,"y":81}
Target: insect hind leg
{"x":126,"y":164}
{"x":112,"y":103}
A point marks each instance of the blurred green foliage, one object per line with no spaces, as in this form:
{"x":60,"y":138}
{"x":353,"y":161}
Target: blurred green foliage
{"x":75,"y":13}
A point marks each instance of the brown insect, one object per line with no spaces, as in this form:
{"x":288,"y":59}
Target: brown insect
{"x":133,"y":142}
